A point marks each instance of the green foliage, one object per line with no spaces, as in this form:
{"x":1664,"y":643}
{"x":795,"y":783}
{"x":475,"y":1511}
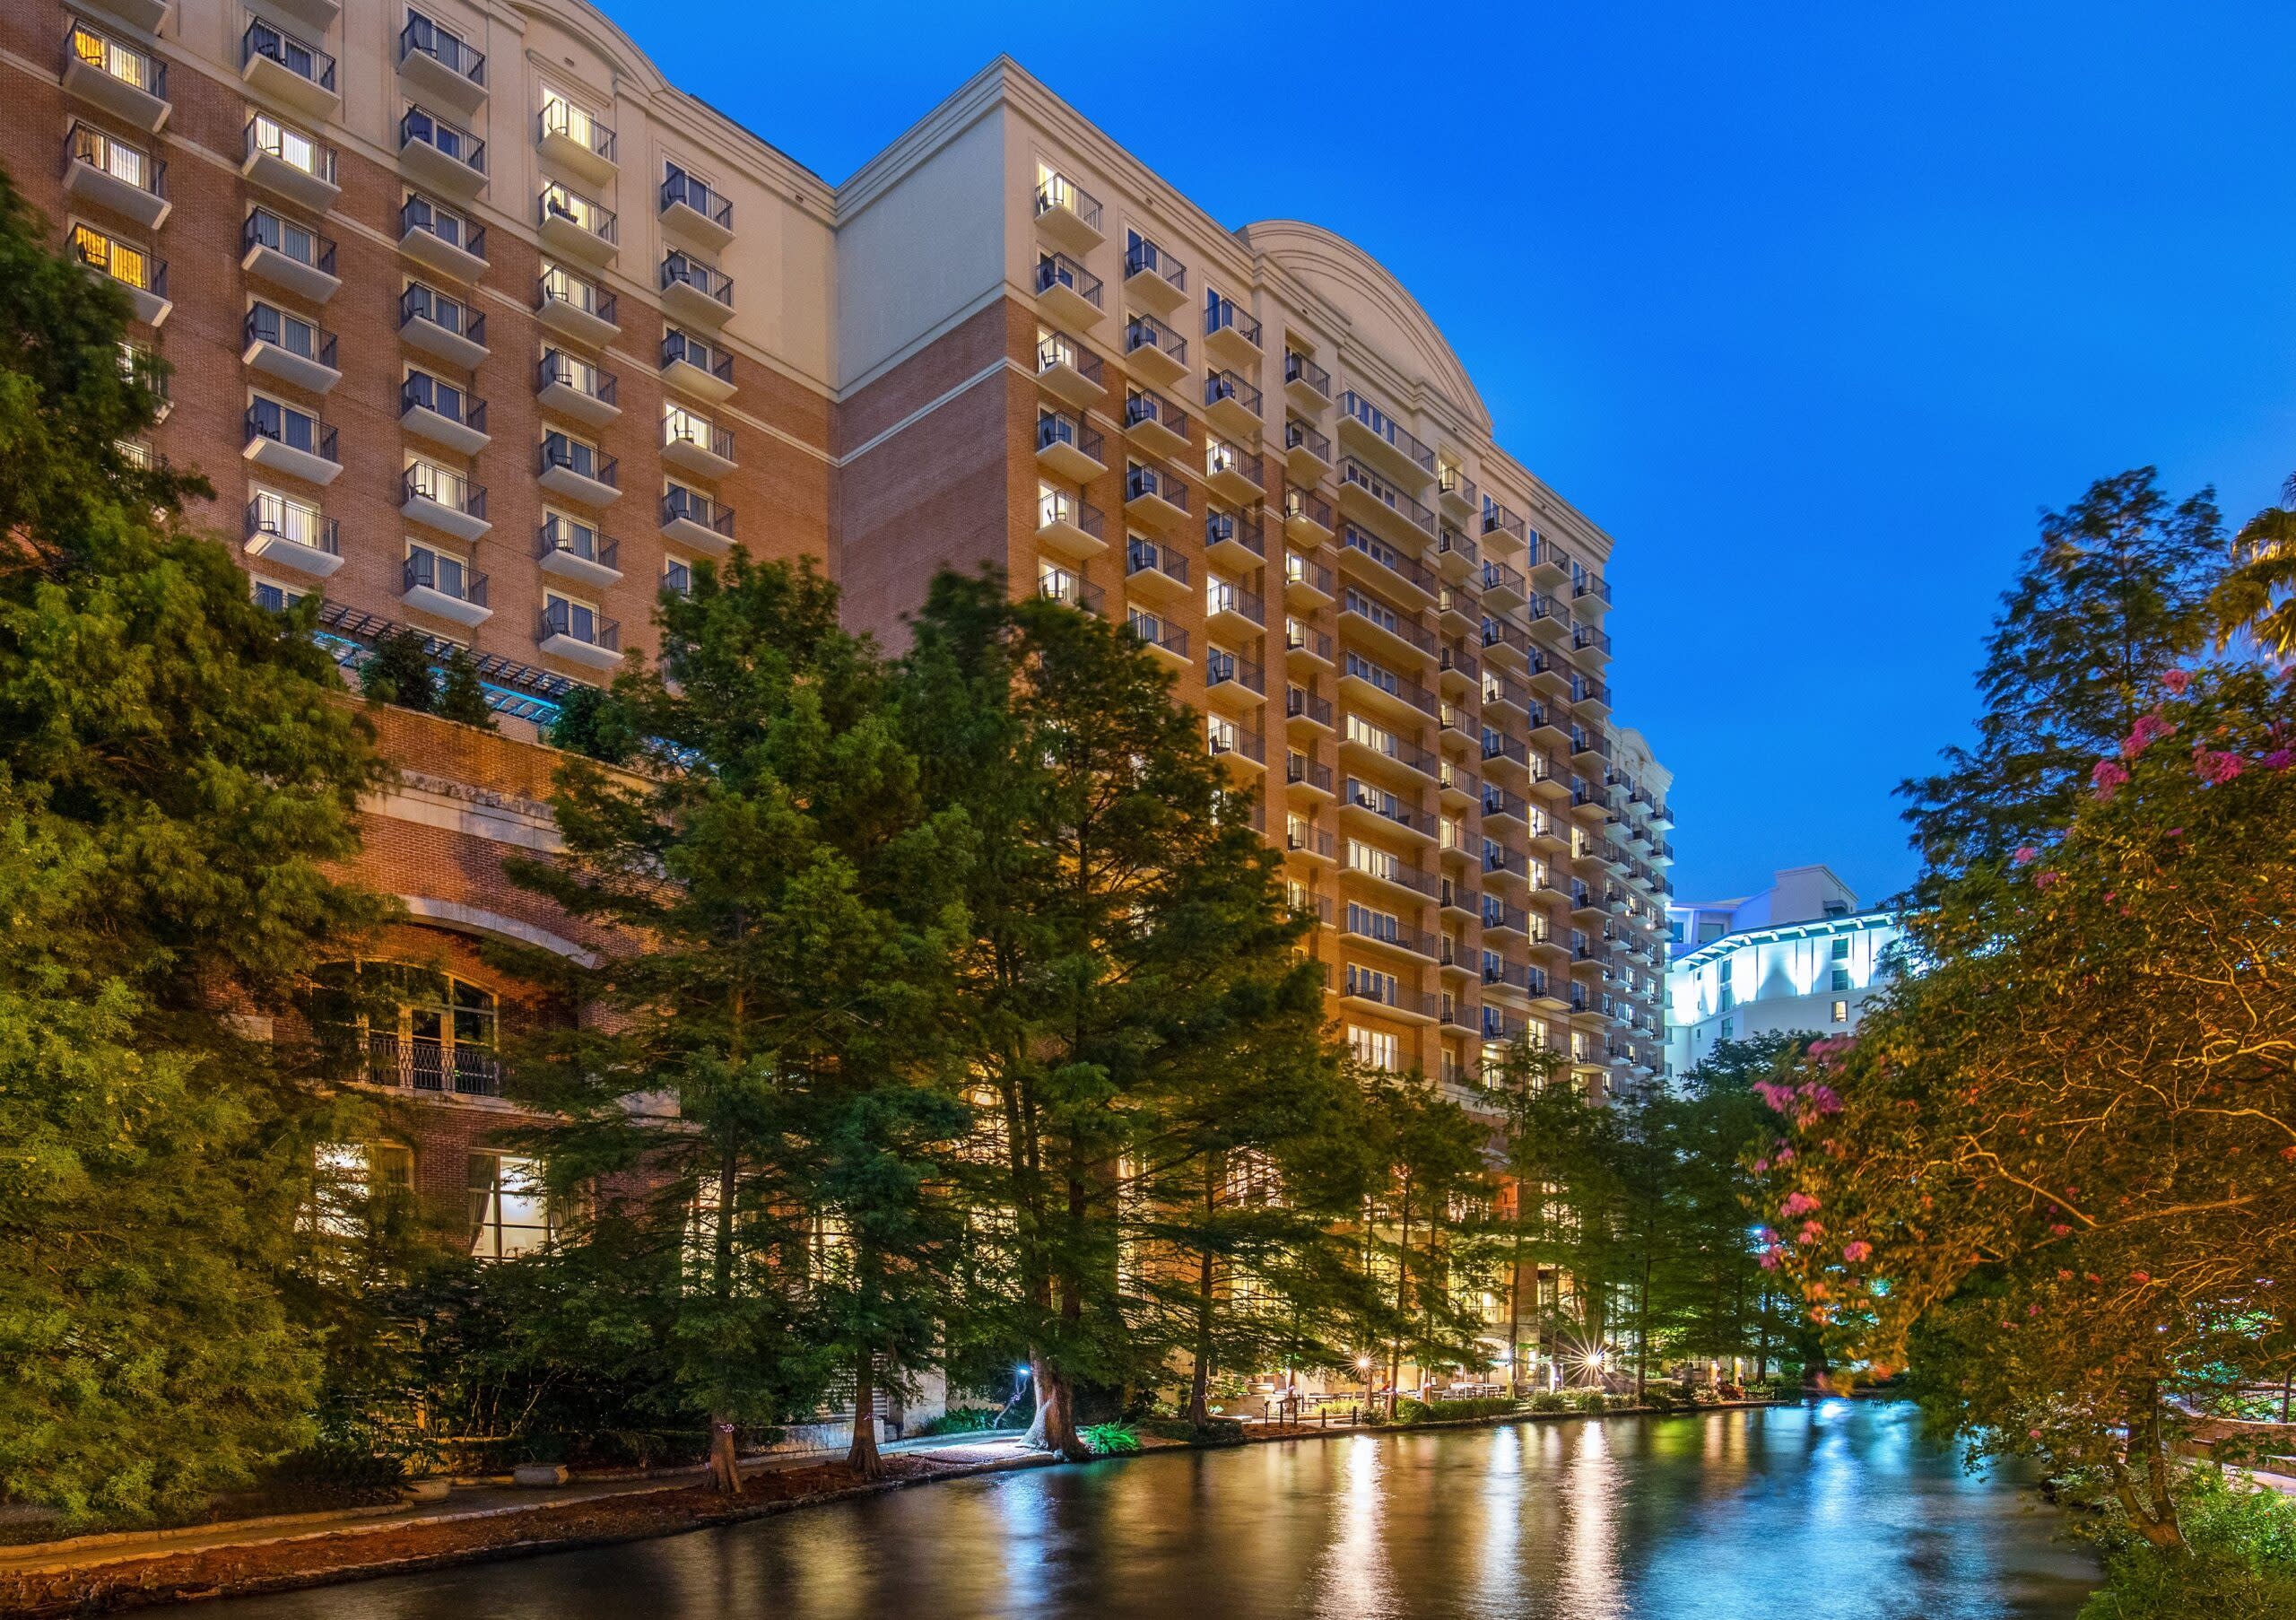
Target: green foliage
{"x":461,"y":695}
{"x":2115,"y":593}
{"x":174,"y":782}
{"x":1454,"y":1411}
{"x":2239,"y":1563}
{"x":398,"y":671}
{"x":1550,"y":1400}
{"x":1590,"y":1400}
{"x":590,"y":723}
{"x":964,"y":1420}
{"x":1109,"y":1440}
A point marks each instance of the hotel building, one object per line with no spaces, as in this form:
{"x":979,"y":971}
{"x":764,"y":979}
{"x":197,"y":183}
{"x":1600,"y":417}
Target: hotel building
{"x":480,"y":326}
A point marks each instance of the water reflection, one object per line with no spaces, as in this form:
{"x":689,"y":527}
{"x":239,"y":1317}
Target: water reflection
{"x":1840,"y":1512}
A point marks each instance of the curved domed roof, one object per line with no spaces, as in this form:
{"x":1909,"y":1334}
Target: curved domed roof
{"x":1382,"y":312}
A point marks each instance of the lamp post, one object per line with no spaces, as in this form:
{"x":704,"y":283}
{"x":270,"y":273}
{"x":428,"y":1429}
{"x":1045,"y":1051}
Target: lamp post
{"x":1363,"y":1365}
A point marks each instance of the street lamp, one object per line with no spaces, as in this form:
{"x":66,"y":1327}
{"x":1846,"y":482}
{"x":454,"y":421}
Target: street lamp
{"x":1363,"y":1365}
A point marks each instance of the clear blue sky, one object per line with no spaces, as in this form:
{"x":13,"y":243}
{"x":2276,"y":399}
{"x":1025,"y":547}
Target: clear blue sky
{"x":1811,"y":309}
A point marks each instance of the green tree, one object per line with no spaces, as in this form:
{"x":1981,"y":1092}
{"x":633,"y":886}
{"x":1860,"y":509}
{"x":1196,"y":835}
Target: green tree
{"x":2057,"y":1170}
{"x":2257,"y":596}
{"x":175,"y":782}
{"x":790,"y":907}
{"x":398,"y":671}
{"x":1123,"y":911}
{"x":2115,"y":592}
{"x":1433,"y":1184}
{"x":461,"y":695}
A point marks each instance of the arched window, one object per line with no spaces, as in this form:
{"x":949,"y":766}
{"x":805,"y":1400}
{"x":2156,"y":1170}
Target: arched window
{"x":417,"y":1027}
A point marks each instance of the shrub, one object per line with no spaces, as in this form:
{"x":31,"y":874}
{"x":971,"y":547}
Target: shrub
{"x":1592,"y":1401}
{"x":1657,"y":1398}
{"x":961,"y":1420}
{"x":1550,"y":1400}
{"x":1219,"y":1432}
{"x":1109,"y":1440}
{"x":1451,"y":1411}
{"x":2241,"y":1566}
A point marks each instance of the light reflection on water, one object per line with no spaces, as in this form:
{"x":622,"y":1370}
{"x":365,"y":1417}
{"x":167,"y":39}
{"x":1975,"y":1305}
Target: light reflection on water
{"x":1836,"y":1512}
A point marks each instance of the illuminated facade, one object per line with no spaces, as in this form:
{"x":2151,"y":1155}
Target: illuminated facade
{"x":1800,"y":956}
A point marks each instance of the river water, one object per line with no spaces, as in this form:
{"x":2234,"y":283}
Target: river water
{"x":1839,"y":1511}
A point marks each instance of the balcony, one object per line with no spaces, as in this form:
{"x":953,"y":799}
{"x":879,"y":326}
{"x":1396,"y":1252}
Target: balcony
{"x":143,"y":15}
{"x":1066,"y":292}
{"x":1230,"y":336}
{"x":1304,"y":837}
{"x":693,"y":211}
{"x":1232,"y":471}
{"x":275,"y":63}
{"x":1385,"y":811}
{"x":1153,"y":350}
{"x":569,"y":467}
{"x":694,"y":366}
{"x":109,"y":173}
{"x":443,"y":327}
{"x":577,"y":551}
{"x":1307,"y":453}
{"x":1068,"y":447}
{"x":573,"y":386}
{"x":1374,"y":498}
{"x":1499,"y":519}
{"x":695,"y":292}
{"x":1067,"y":369}
{"x":444,"y":156}
{"x":1378,"y":690}
{"x":1228,"y":741}
{"x":1233,"y":405}
{"x":1589,"y":589}
{"x":1228,"y":606}
{"x":1152,"y":278}
{"x":1385,"y":442}
{"x":124,"y":80}
{"x":442,"y":239}
{"x":439,"y":498}
{"x":442,"y":413}
{"x":1070,"y":524}
{"x":1394,"y":569}
{"x":1306,"y":772}
{"x":289,"y":163}
{"x":1153,"y":569}
{"x":1069,"y":590}
{"x":1307,"y":384}
{"x":1377,"y":748}
{"x":1308,"y":707}
{"x":572,"y":223}
{"x":290,"y":441}
{"x":1154,"y":496}
{"x":1307,"y":583}
{"x":316,"y":16}
{"x":1304,"y":644}
{"x":573,"y":137}
{"x":292,"y":534}
{"x":441,"y":65}
{"x":1158,"y":635}
{"x":575,"y":632}
{"x":1231,"y":678}
{"x":445,"y":587}
{"x":1502,"y":586}
{"x":1234,"y":538}
{"x":1385,"y":869}
{"x":1379,"y":928}
{"x":1156,"y":423}
{"x":1307,"y":517}
{"x":575,"y":308}
{"x":1461,"y":560}
{"x":293,"y":350}
{"x":692,"y":518}
{"x":1455,"y":490}
{"x":696,"y":444}
{"x":1067,"y":213}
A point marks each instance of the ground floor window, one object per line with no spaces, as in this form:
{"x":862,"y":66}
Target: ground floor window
{"x":510,"y":1212}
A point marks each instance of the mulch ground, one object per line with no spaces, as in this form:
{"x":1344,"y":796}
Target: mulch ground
{"x":339,"y":1556}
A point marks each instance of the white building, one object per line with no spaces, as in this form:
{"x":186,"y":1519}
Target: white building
{"x":1801,"y":956}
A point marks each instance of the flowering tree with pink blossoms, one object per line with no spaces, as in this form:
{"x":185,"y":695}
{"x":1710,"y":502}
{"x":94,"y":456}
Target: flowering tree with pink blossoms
{"x":2056,"y":1171}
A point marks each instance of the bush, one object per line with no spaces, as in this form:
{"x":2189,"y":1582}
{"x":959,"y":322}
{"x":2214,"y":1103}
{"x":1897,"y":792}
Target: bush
{"x":962,"y":1420}
{"x":1591,"y":1400}
{"x":1109,"y":1440}
{"x":1657,"y":1398}
{"x":1550,"y":1400}
{"x":2241,"y":1566}
{"x":1451,"y":1411}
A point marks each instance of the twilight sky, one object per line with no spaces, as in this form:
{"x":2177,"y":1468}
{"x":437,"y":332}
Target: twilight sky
{"x":1811,"y":309}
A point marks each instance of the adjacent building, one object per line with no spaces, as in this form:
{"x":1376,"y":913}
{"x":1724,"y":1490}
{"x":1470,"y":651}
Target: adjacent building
{"x":1800,"y":956}
{"x":479,"y":325}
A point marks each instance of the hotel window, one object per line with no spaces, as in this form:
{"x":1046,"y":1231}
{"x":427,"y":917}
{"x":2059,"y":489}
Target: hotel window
{"x":1220,"y":732}
{"x":286,"y":517}
{"x":1374,"y":1049}
{"x":569,"y":617}
{"x":116,"y":157}
{"x":1841,"y":978}
{"x":441,"y":572}
{"x":572,"y":205}
{"x":560,"y":283}
{"x":1371,"y":983}
{"x":351,"y":1181}
{"x":432,"y":482}
{"x":677,"y":577}
{"x":276,"y":598}
{"x":1727,"y":1025}
{"x":1842,"y":950}
{"x":118,"y":61}
{"x":510,"y":1212}
{"x":114,"y":258}
{"x":290,"y":145}
{"x":1841,"y":1012}
{"x":563,"y":117}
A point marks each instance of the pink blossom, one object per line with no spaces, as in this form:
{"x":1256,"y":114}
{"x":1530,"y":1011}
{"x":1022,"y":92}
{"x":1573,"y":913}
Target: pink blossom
{"x":2108,"y":777}
{"x":1797,"y":1203}
{"x":2025,"y":856}
{"x":1810,"y":1233}
{"x":2140,"y":1276}
{"x":1822,"y":1098}
{"x":1766,"y":1236}
{"x":1859,"y":1250}
{"x":2048,"y":880}
{"x":2278,"y":759}
{"x":2149,"y":729}
{"x":1762,"y":1167}
{"x":2177,"y":681}
{"x":1785,"y":1156}
{"x":1769,"y":1260}
{"x":1781,"y":1098}
{"x":2215,"y":769}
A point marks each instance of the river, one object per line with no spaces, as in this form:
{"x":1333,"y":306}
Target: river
{"x":1839,"y":1511}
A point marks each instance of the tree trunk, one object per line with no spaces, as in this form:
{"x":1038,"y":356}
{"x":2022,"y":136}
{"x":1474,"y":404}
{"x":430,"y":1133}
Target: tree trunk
{"x":725,"y":1471}
{"x":1055,"y":1428}
{"x":1515,"y":1311}
{"x":1642,"y":1331}
{"x":1403,"y":1311}
{"x":2155,"y":1520}
{"x":864,"y":1458}
{"x":1199,"y":1383}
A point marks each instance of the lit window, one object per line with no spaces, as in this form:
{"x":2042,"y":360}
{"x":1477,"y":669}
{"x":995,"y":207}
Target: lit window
{"x":1375,"y":1049}
{"x":510,"y":1212}
{"x":1841,"y":1012}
